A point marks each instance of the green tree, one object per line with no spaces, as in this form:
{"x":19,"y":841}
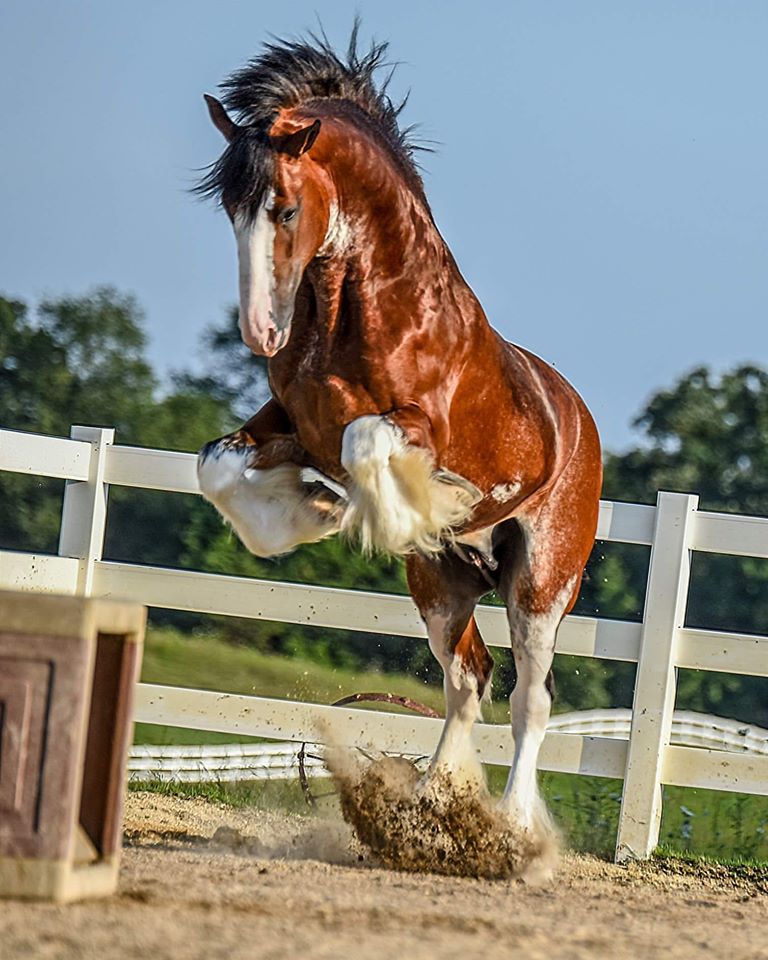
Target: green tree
{"x":232,"y":375}
{"x":78,"y":361}
{"x":82,"y":360}
{"x":705,"y":435}
{"x":29,"y":359}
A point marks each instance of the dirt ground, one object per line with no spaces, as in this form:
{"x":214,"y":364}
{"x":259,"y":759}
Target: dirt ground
{"x":206,"y":881}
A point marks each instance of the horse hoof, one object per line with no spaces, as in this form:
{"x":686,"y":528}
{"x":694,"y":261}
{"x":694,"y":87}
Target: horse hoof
{"x":314,"y":478}
{"x":540,"y":871}
{"x":473,"y":494}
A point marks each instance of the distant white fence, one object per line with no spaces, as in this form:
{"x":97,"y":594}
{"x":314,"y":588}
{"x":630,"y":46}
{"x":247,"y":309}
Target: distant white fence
{"x":228,"y":762}
{"x":221,"y":763}
{"x":673,"y":528}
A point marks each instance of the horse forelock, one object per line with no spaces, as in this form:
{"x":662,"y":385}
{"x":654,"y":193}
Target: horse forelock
{"x":297,"y":74}
{"x":244,"y":173}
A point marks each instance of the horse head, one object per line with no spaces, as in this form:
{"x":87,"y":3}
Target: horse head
{"x":279,"y":202}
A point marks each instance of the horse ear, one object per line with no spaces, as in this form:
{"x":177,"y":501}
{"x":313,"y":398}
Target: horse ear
{"x":221,"y":119}
{"x":295,"y":144}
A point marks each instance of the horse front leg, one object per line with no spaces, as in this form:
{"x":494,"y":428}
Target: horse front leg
{"x":261,"y":483}
{"x":401,"y":500}
{"x":445,"y":589}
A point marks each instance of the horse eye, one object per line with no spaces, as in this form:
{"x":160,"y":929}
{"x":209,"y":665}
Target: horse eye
{"x":287,"y":214}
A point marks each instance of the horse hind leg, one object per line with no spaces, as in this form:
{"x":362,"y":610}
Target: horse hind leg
{"x":538,"y":594}
{"x":273,"y":508}
{"x":533,"y":641}
{"x":446,"y":590}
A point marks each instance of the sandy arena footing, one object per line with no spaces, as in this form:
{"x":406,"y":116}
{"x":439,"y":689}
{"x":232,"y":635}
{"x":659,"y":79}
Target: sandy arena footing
{"x":202,"y":881}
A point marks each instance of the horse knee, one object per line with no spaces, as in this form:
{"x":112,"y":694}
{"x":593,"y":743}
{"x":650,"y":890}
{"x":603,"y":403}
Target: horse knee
{"x":220,"y":465}
{"x":530,"y":705}
{"x":367,"y":445}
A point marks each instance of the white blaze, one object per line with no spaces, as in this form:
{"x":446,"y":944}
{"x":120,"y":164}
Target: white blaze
{"x":255,"y":253}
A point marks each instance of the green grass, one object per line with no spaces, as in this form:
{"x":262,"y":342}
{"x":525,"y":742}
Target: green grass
{"x":726,"y":826}
{"x":209,"y":663}
{"x":665,"y":852}
{"x":748,"y":876}
{"x":284,"y":795}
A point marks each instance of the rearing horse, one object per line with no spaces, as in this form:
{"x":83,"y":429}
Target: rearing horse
{"x":398,"y":414}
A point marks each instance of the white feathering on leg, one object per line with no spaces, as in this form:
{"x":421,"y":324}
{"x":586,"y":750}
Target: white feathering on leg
{"x":272,"y":511}
{"x":398,"y":501}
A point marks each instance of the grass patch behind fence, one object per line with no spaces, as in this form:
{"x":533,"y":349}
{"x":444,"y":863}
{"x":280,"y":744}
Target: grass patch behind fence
{"x":208,"y":663}
{"x":283,"y":795}
{"x":726,"y":826}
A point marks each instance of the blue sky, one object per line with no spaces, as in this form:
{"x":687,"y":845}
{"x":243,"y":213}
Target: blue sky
{"x":600,"y":176}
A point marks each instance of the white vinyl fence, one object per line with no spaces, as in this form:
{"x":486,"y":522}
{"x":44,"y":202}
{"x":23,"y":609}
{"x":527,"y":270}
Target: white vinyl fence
{"x":227,"y":762}
{"x":90,"y":461}
{"x":222,"y":763}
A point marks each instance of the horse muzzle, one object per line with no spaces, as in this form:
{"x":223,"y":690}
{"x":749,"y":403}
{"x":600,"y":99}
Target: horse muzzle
{"x":267,"y":335}
{"x":266,"y":339}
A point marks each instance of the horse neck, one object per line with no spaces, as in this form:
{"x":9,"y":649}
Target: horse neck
{"x":382,"y":248}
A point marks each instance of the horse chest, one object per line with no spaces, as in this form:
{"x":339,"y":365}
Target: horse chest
{"x":320,"y":407}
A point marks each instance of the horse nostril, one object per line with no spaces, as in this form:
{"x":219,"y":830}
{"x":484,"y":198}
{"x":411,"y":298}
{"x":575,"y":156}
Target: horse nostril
{"x":272,"y":338}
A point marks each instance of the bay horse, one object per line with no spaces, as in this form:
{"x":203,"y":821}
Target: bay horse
{"x":398,"y":414}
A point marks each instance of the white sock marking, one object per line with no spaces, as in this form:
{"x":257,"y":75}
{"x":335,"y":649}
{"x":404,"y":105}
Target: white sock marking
{"x":270,"y":510}
{"x":533,"y":638}
{"x":455,"y":753}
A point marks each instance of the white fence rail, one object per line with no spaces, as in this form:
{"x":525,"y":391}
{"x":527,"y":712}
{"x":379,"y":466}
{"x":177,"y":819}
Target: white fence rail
{"x":228,"y":762}
{"x":90,"y":462}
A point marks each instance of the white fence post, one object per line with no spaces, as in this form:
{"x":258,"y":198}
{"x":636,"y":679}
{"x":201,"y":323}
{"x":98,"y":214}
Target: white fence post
{"x":665,"y":605}
{"x":84,"y":514}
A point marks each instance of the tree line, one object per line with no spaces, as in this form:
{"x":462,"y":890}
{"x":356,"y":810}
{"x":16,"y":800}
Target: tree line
{"x":84,"y":360}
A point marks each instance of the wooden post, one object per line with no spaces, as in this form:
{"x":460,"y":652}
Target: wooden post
{"x":654,"y":701}
{"x":68,"y":669}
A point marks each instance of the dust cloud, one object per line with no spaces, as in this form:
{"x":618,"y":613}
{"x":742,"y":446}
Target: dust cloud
{"x":438,"y":828}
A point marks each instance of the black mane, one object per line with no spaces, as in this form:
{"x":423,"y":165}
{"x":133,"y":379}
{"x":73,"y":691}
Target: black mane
{"x":292,"y":73}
